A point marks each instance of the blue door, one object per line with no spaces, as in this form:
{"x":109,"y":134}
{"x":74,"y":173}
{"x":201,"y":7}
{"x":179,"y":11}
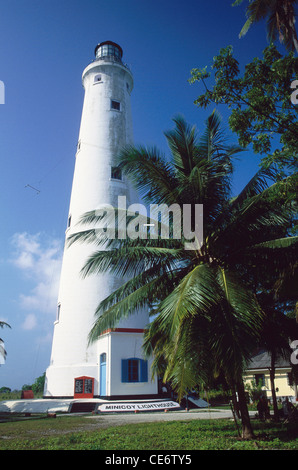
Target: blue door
{"x":102,"y":377}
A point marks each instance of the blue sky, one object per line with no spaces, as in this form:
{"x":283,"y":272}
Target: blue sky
{"x":45,"y":45}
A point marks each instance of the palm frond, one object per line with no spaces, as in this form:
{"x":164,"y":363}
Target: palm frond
{"x":277,"y":244}
{"x":134,"y":295}
{"x":3,"y":352}
{"x":242,"y":301}
{"x":255,"y":216}
{"x":240,"y":317}
{"x":246,"y":27}
{"x":182,"y":359}
{"x":149,"y":172}
{"x":256,"y":185}
{"x":131,"y":260}
{"x":182,"y":143}
{"x":197,"y":291}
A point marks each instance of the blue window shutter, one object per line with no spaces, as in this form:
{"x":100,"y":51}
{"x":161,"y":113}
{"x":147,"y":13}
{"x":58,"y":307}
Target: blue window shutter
{"x":144,"y":371}
{"x":124,"y":370}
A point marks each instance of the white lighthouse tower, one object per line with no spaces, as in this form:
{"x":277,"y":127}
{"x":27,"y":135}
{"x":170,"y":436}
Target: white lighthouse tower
{"x":113,"y":367}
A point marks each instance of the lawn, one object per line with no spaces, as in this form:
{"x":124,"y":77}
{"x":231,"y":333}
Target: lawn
{"x":82,"y":433}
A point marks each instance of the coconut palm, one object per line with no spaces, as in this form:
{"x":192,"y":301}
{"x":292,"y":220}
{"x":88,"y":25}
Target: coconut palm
{"x":280,"y":17}
{"x":205,"y":315}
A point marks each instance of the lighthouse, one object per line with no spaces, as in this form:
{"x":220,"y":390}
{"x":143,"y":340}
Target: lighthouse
{"x":112,"y":367}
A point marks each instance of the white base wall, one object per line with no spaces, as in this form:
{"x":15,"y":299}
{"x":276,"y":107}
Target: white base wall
{"x":60,"y":379}
{"x":124,"y":346}
{"x":116,"y":345}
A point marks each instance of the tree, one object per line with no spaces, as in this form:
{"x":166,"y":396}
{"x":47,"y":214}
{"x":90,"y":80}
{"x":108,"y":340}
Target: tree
{"x":38,"y":385}
{"x":205,"y":315}
{"x":280,"y":16}
{"x":277,"y":333}
{"x":262,"y":113}
{"x":3,"y":353}
{"x":26,"y":387}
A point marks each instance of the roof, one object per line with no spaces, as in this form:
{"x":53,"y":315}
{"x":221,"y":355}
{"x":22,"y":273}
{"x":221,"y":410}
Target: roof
{"x":262,"y":360}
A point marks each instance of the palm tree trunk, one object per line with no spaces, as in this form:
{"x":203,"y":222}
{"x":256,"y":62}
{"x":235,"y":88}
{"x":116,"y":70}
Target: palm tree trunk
{"x":295,"y":379}
{"x":247,"y":431}
{"x":235,"y":402}
{"x":272,"y":385}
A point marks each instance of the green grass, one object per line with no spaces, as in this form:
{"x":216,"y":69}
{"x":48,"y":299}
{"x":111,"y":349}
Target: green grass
{"x":82,"y":433}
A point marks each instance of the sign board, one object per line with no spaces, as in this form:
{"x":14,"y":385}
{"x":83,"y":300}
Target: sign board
{"x":142,"y":406}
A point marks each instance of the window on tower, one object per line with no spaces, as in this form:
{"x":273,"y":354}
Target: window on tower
{"x":58,"y":311}
{"x":115,"y":105}
{"x":116,"y":173}
{"x":97,"y":78}
{"x":69,"y":221}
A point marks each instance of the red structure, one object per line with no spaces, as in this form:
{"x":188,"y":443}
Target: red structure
{"x":27,"y":394}
{"x":83,"y":387}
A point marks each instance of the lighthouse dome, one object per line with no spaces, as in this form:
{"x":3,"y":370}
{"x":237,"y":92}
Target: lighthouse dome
{"x":108,"y":49}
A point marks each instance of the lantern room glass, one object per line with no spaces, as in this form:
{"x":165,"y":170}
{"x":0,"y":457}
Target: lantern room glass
{"x":108,"y":50}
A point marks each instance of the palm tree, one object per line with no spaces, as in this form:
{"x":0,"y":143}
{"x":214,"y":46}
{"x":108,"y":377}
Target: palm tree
{"x":280,"y":16}
{"x":205,"y":315}
{"x":2,"y":350}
